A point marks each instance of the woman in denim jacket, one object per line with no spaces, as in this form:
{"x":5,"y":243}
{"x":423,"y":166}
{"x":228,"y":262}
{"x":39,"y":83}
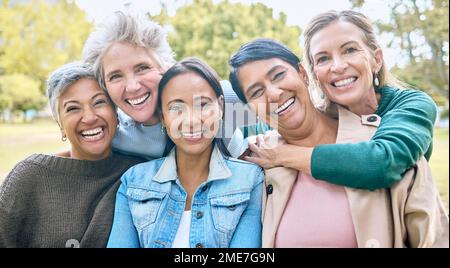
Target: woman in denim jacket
{"x":197,"y":195}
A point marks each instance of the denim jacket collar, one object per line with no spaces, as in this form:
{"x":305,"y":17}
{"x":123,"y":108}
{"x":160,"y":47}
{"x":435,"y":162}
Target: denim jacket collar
{"x":218,"y":168}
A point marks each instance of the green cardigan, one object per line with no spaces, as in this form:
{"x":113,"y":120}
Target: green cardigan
{"x":405,"y":133}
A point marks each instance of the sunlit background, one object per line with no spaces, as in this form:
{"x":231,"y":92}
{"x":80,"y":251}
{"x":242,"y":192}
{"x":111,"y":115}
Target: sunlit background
{"x":38,"y":36}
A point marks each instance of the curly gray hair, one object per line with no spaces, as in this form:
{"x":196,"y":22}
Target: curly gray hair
{"x":130,"y":28}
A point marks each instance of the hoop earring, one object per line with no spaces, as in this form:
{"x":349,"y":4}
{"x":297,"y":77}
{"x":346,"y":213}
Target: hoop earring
{"x":63,"y":138}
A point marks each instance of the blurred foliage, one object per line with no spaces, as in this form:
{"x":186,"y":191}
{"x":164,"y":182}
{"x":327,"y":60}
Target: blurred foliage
{"x":214,"y":31}
{"x":19,"y":92}
{"x":36,"y":37}
{"x":420,"y":29}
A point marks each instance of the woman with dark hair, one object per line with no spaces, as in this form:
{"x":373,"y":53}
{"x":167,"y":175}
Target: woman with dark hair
{"x":300,"y":211}
{"x":347,"y":65}
{"x":195,"y":196}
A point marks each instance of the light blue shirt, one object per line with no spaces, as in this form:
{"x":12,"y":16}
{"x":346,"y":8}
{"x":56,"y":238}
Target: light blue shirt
{"x":133,"y":138}
{"x":226,"y":208}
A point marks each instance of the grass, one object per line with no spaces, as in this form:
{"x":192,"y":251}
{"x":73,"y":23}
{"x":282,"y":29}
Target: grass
{"x":17,"y":141}
{"x":439,"y":162}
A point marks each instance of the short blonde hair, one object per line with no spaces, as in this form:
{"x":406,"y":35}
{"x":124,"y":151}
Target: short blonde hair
{"x":129,"y":28}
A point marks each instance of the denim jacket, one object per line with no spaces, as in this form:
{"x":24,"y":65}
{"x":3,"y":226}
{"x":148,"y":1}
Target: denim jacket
{"x":226,"y":208}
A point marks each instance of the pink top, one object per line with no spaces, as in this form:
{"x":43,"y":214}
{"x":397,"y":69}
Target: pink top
{"x":317,"y":215}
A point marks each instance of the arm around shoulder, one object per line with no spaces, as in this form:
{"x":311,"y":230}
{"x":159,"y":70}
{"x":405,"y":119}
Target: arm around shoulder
{"x":404,"y":134}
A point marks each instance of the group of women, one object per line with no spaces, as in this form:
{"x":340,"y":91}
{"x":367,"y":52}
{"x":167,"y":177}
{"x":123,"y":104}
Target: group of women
{"x":146,"y":167}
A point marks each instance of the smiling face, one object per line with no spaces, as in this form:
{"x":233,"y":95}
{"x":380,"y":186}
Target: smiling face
{"x":88,"y":120}
{"x":276,"y":91}
{"x":343,"y":64}
{"x":132,"y":77}
{"x":191,"y":112}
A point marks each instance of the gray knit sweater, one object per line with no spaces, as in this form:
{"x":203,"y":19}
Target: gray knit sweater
{"x":50,"y":201}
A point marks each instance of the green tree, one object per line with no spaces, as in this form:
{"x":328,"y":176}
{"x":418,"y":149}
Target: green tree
{"x":5,"y":100}
{"x":19,"y":92}
{"x":420,"y":29}
{"x":36,"y":37}
{"x":213,"y":31}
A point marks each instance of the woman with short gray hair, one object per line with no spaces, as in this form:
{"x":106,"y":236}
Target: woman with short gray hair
{"x":67,"y":200}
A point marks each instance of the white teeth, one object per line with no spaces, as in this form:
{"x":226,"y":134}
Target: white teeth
{"x":344,"y":82}
{"x":285,"y":105}
{"x":197,"y":134}
{"x":92,"y":132}
{"x":139,"y":100}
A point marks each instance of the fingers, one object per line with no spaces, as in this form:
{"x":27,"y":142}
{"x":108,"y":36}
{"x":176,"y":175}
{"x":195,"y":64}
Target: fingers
{"x":260,"y":162}
{"x":272,"y":139}
{"x":252,"y":159}
{"x":254,"y":148}
{"x":247,"y":152}
{"x":260,"y":140}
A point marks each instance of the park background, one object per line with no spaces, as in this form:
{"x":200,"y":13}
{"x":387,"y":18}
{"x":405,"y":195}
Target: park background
{"x":36,"y":37}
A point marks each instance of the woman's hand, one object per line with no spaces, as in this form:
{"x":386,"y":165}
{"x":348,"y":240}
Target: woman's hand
{"x":266,"y":150}
{"x":271,"y":150}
